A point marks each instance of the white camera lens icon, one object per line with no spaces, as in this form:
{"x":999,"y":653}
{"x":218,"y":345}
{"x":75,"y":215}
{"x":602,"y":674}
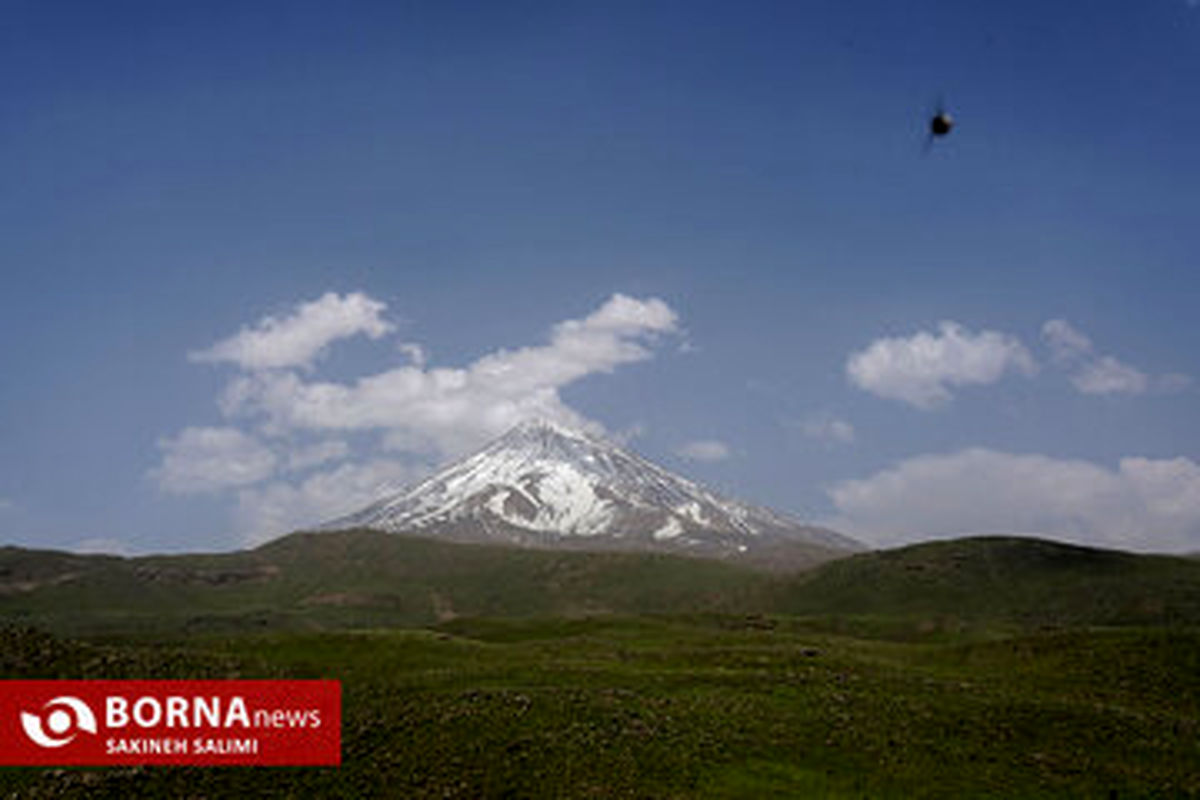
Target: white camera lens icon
{"x":60,"y":721}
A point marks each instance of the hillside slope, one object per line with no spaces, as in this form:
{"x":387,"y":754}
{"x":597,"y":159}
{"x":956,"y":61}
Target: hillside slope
{"x":352,"y":579}
{"x":361,"y":578}
{"x":1008,"y":579}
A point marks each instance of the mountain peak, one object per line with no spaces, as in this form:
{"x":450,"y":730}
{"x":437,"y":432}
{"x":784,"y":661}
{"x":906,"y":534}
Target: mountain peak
{"x":542,"y":429}
{"x":545,"y":484}
{"x":543,"y":425}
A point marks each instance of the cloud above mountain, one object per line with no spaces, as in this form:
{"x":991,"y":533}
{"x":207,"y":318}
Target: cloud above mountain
{"x":454,"y":409}
{"x":301,"y":337}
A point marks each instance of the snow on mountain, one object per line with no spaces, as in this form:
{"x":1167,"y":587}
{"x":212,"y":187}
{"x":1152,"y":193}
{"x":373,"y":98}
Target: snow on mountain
{"x":544,"y":484}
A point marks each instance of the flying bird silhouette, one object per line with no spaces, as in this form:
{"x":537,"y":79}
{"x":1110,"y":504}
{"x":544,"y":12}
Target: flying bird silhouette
{"x":940,"y":123}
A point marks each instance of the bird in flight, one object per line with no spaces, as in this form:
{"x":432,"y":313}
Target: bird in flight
{"x":939,"y":126}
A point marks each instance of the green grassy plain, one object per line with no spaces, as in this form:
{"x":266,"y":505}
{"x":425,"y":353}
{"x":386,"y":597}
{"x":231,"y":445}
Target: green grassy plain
{"x":736,"y":685}
{"x":711,"y":706}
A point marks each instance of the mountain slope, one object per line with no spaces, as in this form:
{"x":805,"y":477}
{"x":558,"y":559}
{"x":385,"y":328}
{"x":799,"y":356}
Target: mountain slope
{"x":545,"y":485}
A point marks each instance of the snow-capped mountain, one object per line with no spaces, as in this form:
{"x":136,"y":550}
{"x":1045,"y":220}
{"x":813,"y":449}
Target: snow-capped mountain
{"x":543,"y":484}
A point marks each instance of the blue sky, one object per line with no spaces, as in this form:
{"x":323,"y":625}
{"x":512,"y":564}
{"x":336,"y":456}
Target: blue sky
{"x":709,"y":228}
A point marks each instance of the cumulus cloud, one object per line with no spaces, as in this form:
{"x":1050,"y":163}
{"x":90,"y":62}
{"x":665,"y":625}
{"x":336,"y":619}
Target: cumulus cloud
{"x":279,"y":507}
{"x":707,"y":450}
{"x":1066,"y":343}
{"x":456,"y":409}
{"x":298,"y":339}
{"x":1092,"y":373}
{"x":1143,"y":504}
{"x":1106,"y":375}
{"x":921,"y":370}
{"x":417,"y":413}
{"x":211,"y":459}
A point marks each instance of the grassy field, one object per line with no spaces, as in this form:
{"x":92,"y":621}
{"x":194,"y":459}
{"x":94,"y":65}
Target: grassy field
{"x":711,"y":706}
{"x":943,"y":671}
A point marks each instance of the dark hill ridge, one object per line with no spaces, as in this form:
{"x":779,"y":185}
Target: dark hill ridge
{"x":1019,"y":580}
{"x":354,"y":578}
{"x":364,"y":578}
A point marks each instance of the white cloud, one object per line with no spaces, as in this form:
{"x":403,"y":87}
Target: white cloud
{"x":1066,"y":343}
{"x":1144,"y":504}
{"x":824,"y":427}
{"x":920,"y":370}
{"x":457,"y":409}
{"x":211,"y":459}
{"x":1092,"y":373}
{"x":297,"y":340}
{"x":280,"y":507}
{"x":5,"y":503}
{"x":704,"y":450}
{"x":1106,"y":375}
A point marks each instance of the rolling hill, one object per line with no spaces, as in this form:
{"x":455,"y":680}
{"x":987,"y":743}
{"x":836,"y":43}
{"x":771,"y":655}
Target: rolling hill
{"x":362,"y":578}
{"x":1014,"y":580}
{"x":354,"y":578}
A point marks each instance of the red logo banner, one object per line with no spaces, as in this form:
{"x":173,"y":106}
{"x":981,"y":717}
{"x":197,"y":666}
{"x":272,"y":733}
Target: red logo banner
{"x":201,"y":723}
